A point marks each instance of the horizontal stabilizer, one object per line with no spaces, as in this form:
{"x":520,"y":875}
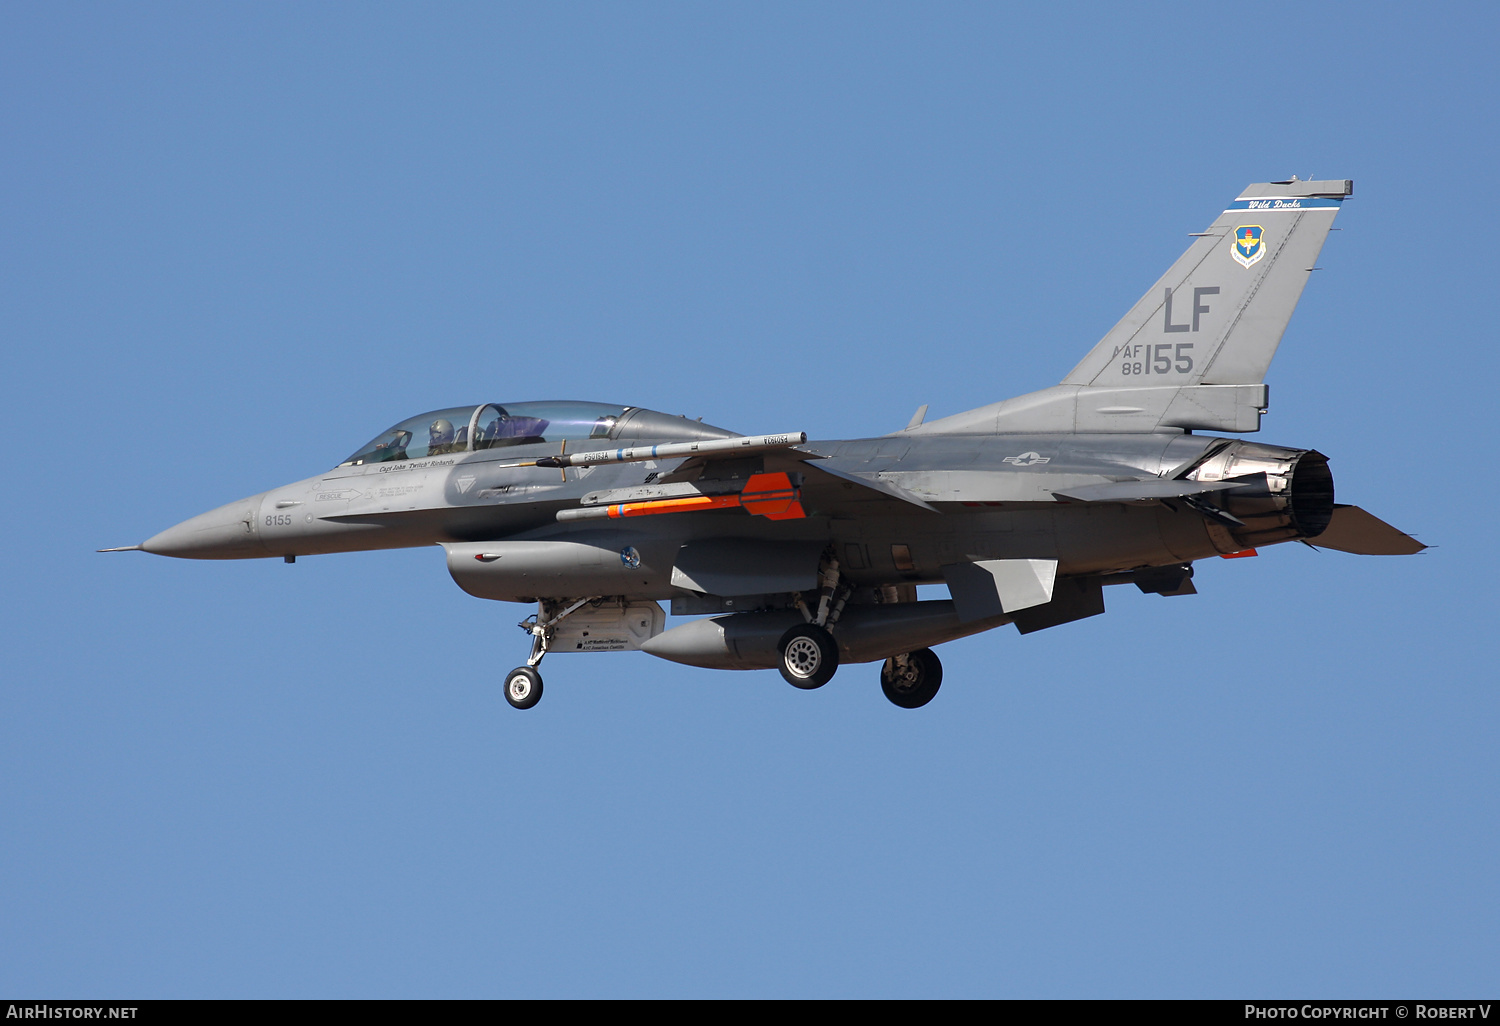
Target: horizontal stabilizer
{"x":1354,"y":530}
{"x":1141,"y":491}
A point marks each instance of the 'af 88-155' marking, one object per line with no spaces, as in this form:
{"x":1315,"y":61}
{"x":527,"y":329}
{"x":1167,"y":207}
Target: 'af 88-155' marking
{"x":1162,"y":358}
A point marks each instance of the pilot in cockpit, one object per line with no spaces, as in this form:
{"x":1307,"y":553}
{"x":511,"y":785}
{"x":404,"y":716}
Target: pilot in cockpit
{"x":394,"y":449}
{"x":440,"y":437}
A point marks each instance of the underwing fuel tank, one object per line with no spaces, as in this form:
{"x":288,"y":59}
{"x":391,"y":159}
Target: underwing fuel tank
{"x":749,"y":641}
{"x":1286,"y":493}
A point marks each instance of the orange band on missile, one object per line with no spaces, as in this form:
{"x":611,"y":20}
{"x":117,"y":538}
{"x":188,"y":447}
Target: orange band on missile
{"x":1242,"y":554}
{"x":766,"y":495}
{"x":687,"y":505}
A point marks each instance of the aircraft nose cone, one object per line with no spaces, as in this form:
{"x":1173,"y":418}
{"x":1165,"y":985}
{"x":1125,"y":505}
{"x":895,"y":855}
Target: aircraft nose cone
{"x":228,"y":532}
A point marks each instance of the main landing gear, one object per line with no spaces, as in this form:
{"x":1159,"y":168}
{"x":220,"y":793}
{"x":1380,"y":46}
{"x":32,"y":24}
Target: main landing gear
{"x":912,"y":680}
{"x":810,"y":655}
{"x":523,"y":685}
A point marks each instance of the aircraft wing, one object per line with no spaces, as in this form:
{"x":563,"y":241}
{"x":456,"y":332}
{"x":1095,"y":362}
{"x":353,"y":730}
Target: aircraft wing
{"x":881,"y":487}
{"x":1354,"y":530}
{"x":866,"y":487}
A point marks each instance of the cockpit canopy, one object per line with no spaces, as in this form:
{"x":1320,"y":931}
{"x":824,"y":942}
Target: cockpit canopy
{"x":491,"y":426}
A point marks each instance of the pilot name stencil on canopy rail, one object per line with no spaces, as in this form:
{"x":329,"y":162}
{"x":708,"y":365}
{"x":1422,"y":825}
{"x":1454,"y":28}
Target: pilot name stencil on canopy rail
{"x":803,"y":555}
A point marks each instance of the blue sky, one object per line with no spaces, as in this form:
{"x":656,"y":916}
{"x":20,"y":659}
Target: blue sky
{"x":241,"y":239}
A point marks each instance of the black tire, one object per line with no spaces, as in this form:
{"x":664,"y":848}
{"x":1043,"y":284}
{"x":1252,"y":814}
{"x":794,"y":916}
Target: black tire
{"x":915,"y":686}
{"x":809,"y":656}
{"x":523,"y":687}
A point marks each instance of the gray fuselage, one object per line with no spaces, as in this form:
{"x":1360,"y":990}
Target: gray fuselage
{"x":986,"y":497}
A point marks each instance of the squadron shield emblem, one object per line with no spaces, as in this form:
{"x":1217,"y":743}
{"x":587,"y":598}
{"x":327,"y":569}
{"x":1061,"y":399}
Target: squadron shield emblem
{"x":1247,"y":244}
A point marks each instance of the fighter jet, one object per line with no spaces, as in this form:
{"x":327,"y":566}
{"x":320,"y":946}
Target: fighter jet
{"x":803,"y":555}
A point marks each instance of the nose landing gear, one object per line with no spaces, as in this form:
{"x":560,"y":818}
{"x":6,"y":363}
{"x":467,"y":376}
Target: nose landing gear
{"x":523,"y":685}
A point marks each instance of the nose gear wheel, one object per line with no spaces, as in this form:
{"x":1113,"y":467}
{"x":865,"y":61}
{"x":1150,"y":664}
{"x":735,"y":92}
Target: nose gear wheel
{"x":523,"y":687}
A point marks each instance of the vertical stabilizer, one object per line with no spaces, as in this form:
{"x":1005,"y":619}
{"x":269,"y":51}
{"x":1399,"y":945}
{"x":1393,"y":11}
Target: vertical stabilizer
{"x":1193,"y":352}
{"x":1217,"y":315}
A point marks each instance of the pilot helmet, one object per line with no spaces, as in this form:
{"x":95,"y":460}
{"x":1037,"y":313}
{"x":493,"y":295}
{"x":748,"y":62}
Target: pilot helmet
{"x":441,"y":431}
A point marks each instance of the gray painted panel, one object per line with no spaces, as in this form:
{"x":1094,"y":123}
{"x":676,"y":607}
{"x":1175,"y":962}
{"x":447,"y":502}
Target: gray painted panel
{"x":746,"y":566}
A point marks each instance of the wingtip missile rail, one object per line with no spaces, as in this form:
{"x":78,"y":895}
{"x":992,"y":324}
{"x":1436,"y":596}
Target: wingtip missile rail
{"x":669,"y":451}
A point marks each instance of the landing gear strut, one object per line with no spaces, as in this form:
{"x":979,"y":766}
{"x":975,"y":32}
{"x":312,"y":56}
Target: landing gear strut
{"x":911,"y":680}
{"x":523,"y":685}
{"x":809,"y":655}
